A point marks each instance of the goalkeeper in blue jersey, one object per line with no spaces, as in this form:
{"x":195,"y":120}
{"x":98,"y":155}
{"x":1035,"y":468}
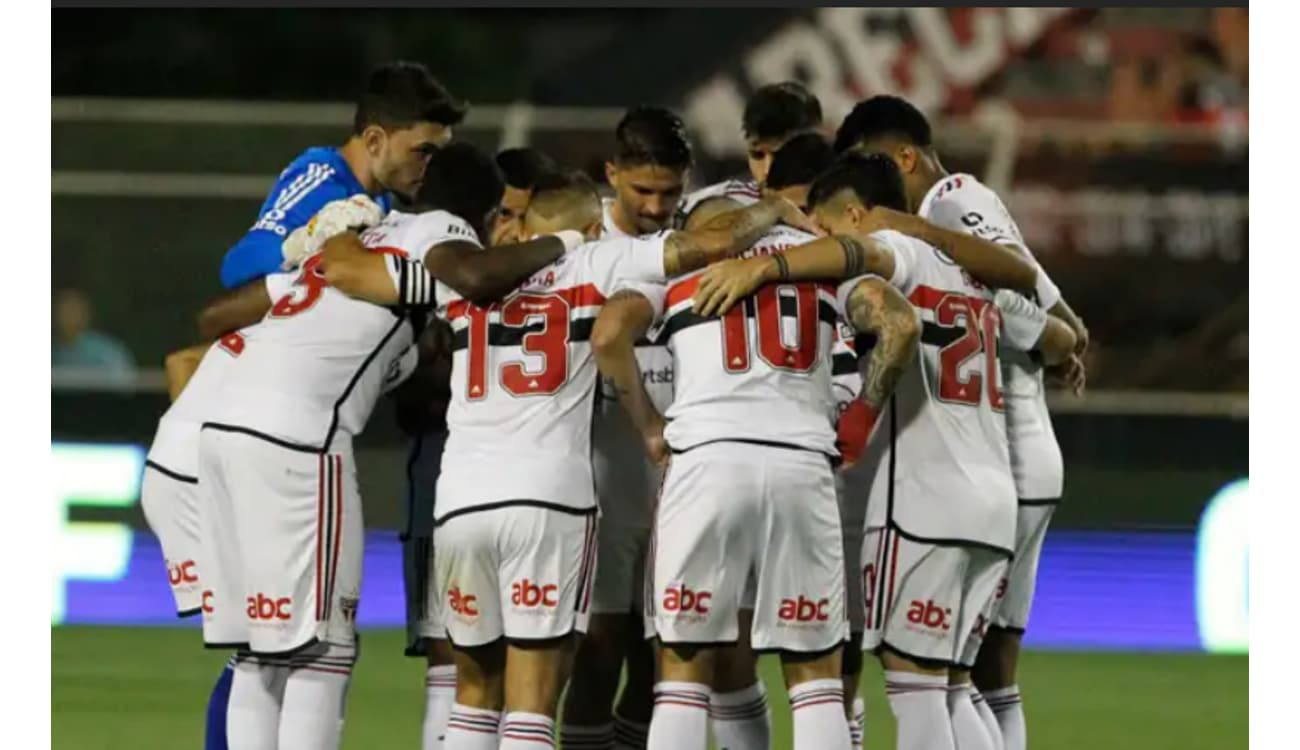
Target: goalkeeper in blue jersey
{"x":403,"y":115}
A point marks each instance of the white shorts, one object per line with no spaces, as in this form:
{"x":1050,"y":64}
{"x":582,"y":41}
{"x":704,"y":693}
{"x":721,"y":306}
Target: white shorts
{"x":923,"y":601}
{"x":852,"y":487}
{"x":282,"y":541}
{"x":517,"y":571}
{"x":171,"y":508}
{"x":1016,"y":593}
{"x":732,"y":512}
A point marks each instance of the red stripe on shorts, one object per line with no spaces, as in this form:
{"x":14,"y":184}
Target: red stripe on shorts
{"x":320,"y":530}
{"x":338,"y":528}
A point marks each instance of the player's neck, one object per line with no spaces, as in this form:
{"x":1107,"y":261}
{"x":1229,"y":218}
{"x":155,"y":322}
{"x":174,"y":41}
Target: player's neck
{"x":926,"y":179}
{"x":620,"y":220}
{"x":355,"y":156}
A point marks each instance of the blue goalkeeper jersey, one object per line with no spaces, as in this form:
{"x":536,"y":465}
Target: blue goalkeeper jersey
{"x":319,"y":175}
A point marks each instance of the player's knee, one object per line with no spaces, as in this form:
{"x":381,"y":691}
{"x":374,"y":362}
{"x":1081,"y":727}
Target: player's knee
{"x":851,"y":663}
{"x":440,"y":653}
{"x":799,"y":668}
{"x":480,"y":676}
{"x":999,"y":655}
{"x":535,"y":674}
{"x":735,"y":667}
{"x":684,"y":662}
{"x":895,"y":662}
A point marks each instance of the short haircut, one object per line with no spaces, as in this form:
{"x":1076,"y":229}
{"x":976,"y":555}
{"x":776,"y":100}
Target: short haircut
{"x":555,"y":193}
{"x":652,"y":135}
{"x":523,"y":166}
{"x":799,"y":161}
{"x":874,"y":179}
{"x":463,"y":180}
{"x":881,"y":116}
{"x":401,"y":94}
{"x":779,"y":110}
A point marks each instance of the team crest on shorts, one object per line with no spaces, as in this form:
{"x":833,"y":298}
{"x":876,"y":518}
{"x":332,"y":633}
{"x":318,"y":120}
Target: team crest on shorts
{"x":348,"y":607}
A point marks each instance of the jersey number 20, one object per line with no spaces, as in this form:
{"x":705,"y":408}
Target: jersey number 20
{"x":551,"y":343}
{"x":981,"y":323}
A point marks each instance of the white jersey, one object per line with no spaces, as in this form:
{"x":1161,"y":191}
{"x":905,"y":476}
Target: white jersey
{"x":315,"y":366}
{"x":939,"y":454}
{"x":961,"y":203}
{"x":175,"y":446}
{"x":744,"y":192}
{"x":523,"y":380}
{"x":760,"y":373}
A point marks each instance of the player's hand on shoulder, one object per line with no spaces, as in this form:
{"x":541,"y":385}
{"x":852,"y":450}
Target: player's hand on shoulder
{"x":793,"y":216}
{"x":335,"y":217}
{"x":725,"y":283}
{"x":1071,"y":374}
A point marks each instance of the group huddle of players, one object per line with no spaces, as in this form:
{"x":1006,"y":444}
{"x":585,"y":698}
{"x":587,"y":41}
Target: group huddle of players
{"x":654,"y":434}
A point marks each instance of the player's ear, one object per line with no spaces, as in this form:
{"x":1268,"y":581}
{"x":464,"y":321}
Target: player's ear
{"x":611,"y":174}
{"x":374,"y":138}
{"x":592,"y":230}
{"x":906,"y":157}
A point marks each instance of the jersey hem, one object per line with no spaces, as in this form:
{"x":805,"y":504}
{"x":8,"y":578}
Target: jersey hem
{"x":509,"y":503}
{"x":300,"y":447}
{"x":176,"y":475}
{"x":1031,"y":502}
{"x":946,"y":542}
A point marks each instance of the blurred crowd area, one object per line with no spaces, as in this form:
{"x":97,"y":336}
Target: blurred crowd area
{"x":1118,"y":137}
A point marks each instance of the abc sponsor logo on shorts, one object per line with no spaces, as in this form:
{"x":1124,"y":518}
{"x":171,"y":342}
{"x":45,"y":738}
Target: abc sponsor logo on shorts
{"x":802,"y":612}
{"x":929,"y":618}
{"x":263,"y":609}
{"x":464,"y":605}
{"x":534,"y":597}
{"x":181,"y":574}
{"x":207,"y":602}
{"x":684,"y":603}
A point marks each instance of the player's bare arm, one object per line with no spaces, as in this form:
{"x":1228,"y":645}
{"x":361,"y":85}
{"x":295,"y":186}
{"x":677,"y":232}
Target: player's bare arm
{"x":179,"y":367}
{"x":235,"y":309}
{"x":835,"y":257}
{"x":624,"y":319}
{"x":1057,"y":344}
{"x":993,"y":264}
{"x":876,"y":307}
{"x":728,"y":233}
{"x":1053,"y":339}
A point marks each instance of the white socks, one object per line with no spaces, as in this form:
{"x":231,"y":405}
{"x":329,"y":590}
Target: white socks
{"x":629,"y":735}
{"x":253,"y":714}
{"x":1006,"y":706}
{"x":575,"y":737}
{"x":471,"y":729}
{"x":986,"y":716}
{"x":967,"y":727}
{"x":315,"y":696}
{"x":439,"y":695}
{"x":740,"y":720}
{"x":527,"y":731}
{"x":681,"y":717}
{"x":858,"y":725}
{"x":818,"y":710}
{"x":919,"y":702}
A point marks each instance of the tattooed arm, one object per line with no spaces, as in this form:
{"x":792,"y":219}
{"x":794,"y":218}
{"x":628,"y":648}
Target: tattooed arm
{"x":878,"y":308}
{"x":624,"y":319}
{"x":728,"y":233}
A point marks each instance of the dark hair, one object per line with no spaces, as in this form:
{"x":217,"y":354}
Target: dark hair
{"x":873,"y":178}
{"x":652,"y":135}
{"x":575,"y":180}
{"x":463,"y":180}
{"x":799,"y":161}
{"x":523,"y":166}
{"x":883,"y":115}
{"x":401,"y":94}
{"x":567,"y":188}
{"x":779,"y":109}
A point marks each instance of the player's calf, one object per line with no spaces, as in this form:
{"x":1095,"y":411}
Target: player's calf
{"x":475,"y":719}
{"x":315,"y":696}
{"x":738,"y":713}
{"x":439,"y":693}
{"x":969,"y":729}
{"x":917,"y":691}
{"x":588,"y":703}
{"x":816,"y":699}
{"x":995,"y":676}
{"x":535,"y":674}
{"x":681,"y":712}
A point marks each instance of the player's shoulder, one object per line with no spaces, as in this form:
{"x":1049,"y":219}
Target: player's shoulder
{"x":740,"y":191}
{"x":778,"y":238}
{"x":429,"y":228}
{"x":320,"y":161}
{"x":960,"y":186}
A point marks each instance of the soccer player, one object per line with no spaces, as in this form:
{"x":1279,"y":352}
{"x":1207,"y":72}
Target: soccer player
{"x":403,"y":115}
{"x":749,"y":499}
{"x":521,"y":168}
{"x":960,"y":202}
{"x":275,"y":452}
{"x":514,"y":552}
{"x":939,"y":530}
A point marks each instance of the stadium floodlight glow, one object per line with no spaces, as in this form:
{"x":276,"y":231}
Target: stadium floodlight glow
{"x":1222,"y":572}
{"x":105,"y":476}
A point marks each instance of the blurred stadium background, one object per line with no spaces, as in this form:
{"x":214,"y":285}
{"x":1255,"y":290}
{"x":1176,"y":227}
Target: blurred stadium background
{"x":1118,"y":137}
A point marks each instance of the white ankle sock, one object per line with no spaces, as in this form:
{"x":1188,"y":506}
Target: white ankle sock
{"x":527,"y":731}
{"x":253,"y":713}
{"x":472,"y":728}
{"x":740,"y":719}
{"x":968,"y":730}
{"x":858,"y":725}
{"x":630,"y":735}
{"x":681,"y":717}
{"x":1010,"y":713}
{"x":315,"y":697}
{"x":986,"y":716}
{"x":919,"y":702}
{"x":818,"y":710}
{"x":439,"y":695}
{"x":577,"y":737}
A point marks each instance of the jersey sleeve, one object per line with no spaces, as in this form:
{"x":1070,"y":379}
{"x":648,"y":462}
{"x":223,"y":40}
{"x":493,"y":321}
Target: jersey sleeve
{"x":1022,"y":321}
{"x":965,"y":205}
{"x":298,"y":194}
{"x":426,"y":232}
{"x":402,"y":367}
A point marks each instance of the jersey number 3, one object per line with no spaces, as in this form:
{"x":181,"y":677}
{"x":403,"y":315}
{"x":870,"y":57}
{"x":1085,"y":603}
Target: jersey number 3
{"x":311,"y":283}
{"x":550,"y":344}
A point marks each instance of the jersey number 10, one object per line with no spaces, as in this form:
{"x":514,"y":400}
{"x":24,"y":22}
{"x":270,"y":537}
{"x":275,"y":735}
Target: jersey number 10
{"x":802,"y":357}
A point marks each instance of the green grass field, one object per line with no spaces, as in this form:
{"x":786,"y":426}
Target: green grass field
{"x":145,"y":689}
